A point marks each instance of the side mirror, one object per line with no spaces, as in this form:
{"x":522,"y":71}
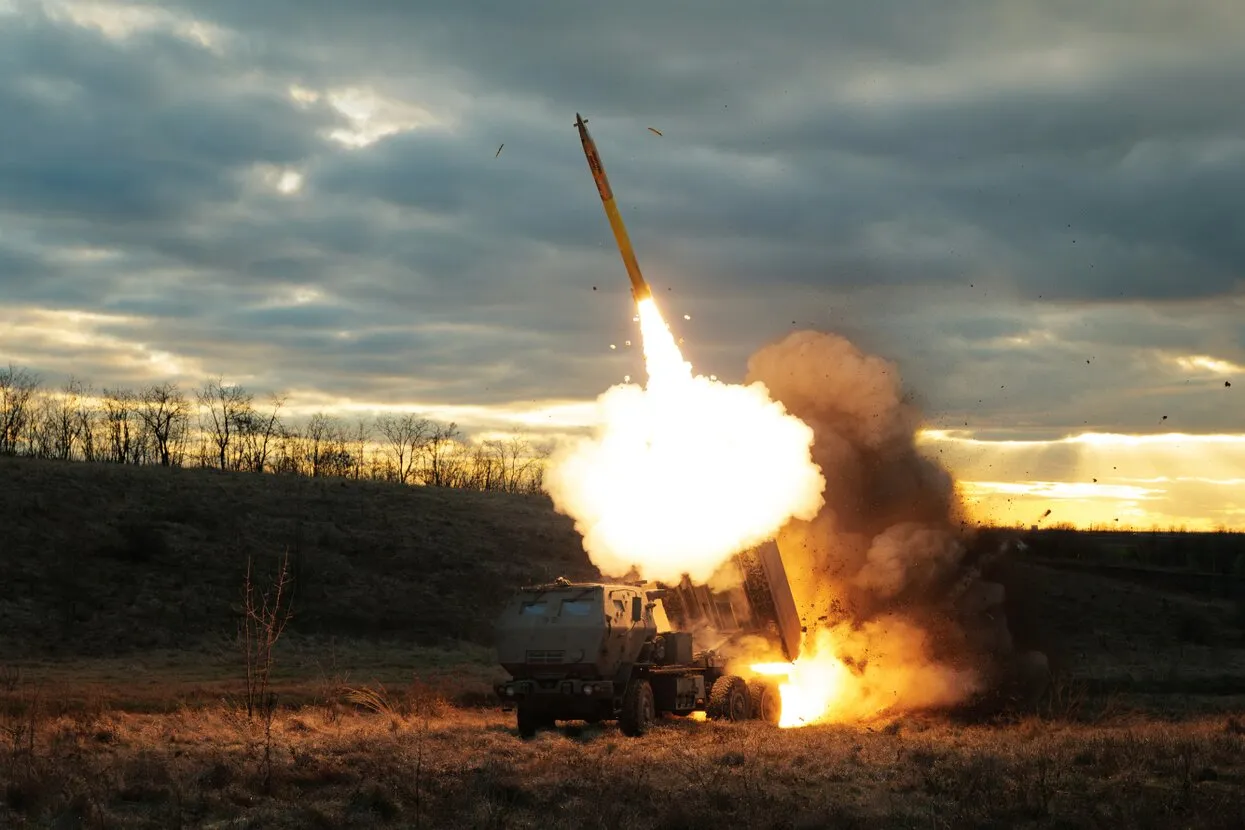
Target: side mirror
{"x":636,"y":612}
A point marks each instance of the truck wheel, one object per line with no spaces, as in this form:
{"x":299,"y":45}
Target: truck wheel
{"x":766,"y":702}
{"x":530,"y":720}
{"x":729,"y":699}
{"x":638,"y":711}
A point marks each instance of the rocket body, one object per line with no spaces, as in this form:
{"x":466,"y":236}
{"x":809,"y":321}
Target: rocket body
{"x":639,"y":287}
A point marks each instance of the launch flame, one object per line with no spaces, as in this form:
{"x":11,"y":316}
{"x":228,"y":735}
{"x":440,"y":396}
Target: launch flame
{"x":684,"y":473}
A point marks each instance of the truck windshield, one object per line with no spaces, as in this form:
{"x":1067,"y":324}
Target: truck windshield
{"x":578,"y":608}
{"x":534,"y":609}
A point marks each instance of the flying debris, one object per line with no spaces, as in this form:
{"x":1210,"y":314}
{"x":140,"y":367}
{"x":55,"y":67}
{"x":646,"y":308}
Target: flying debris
{"x":498,"y":153}
{"x":654,"y":130}
{"x":639,"y":288}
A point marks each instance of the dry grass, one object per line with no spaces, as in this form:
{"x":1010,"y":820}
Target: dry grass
{"x":415,"y":762}
{"x":308,"y":670}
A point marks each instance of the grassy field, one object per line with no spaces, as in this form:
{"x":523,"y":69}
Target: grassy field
{"x":424,"y":764}
{"x":122,"y":682}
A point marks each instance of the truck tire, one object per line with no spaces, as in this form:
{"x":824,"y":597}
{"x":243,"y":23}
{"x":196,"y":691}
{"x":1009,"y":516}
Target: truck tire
{"x":530,"y":719}
{"x":638,"y":710}
{"x":766,"y":701}
{"x":729,"y":699}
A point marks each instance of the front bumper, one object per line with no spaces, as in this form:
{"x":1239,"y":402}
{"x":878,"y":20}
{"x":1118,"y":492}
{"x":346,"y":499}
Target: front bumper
{"x":553,"y":692}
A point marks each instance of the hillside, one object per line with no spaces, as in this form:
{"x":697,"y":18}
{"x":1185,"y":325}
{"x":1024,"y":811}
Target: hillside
{"x":103,"y":560}
{"x":1124,"y":636}
{"x":105,"y":567}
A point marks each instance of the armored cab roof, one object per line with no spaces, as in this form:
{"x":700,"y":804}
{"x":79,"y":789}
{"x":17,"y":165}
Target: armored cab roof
{"x":565,"y":585}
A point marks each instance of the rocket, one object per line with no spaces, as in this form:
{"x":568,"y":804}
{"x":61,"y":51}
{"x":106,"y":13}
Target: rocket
{"x":639,"y":288}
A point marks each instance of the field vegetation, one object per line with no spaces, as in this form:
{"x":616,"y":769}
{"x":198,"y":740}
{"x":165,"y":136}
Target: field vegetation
{"x":125,"y":699}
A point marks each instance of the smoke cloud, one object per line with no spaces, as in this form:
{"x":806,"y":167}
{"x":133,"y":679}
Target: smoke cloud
{"x":882,"y":574}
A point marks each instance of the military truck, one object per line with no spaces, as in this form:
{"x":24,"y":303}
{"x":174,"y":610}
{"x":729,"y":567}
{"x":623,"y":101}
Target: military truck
{"x":631,"y":651}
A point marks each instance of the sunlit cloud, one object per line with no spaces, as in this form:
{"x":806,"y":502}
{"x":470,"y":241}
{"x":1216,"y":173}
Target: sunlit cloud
{"x":543,"y":418}
{"x":79,"y":254}
{"x":1062,"y":489}
{"x":1099,"y":479}
{"x":286,"y":181}
{"x":371,"y":115}
{"x":59,"y":338}
{"x":303,"y":96}
{"x":1205,"y":363}
{"x":119,"y":21}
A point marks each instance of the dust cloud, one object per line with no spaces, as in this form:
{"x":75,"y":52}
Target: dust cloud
{"x":885,"y":575}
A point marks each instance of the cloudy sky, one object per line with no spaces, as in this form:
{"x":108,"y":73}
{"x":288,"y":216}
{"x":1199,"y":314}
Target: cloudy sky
{"x":1033,"y":208}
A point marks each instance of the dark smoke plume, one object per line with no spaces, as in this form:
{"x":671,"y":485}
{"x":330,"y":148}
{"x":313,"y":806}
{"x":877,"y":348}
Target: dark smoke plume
{"x":886,"y":574}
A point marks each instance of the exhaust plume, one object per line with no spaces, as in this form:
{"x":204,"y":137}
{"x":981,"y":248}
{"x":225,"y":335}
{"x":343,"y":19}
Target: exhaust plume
{"x":684,"y":473}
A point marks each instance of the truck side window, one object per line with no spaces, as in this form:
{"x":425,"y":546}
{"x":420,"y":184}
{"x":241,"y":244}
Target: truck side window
{"x":620,"y":608}
{"x":577,"y":608}
{"x":636,"y":609}
{"x":534,"y":609}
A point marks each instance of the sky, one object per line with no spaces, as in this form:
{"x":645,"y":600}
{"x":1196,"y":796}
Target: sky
{"x":1031,"y":208}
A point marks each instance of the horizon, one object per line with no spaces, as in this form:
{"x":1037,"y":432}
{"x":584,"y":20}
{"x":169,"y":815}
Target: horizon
{"x":1077,"y":499}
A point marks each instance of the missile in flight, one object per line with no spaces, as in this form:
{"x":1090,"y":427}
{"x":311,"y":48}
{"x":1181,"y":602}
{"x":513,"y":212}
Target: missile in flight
{"x":639,"y":287}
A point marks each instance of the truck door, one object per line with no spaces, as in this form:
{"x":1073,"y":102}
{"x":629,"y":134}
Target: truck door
{"x":636,"y":620}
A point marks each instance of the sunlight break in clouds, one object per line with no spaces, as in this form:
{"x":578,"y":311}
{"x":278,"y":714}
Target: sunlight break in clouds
{"x":286,"y":181}
{"x":61,"y":337}
{"x":1143,"y":481}
{"x":372,"y":116}
{"x":118,"y":21}
{"x":1206,"y":363}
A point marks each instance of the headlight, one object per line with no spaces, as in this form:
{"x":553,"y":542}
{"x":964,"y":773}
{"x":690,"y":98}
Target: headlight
{"x":588,"y":690}
{"x":510,"y":690}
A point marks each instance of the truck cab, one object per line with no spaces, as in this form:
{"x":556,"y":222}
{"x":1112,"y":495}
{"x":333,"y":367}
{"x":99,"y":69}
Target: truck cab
{"x":570,"y":648}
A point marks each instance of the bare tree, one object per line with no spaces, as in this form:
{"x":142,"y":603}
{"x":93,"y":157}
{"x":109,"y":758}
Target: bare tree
{"x":318,"y":437}
{"x":123,"y":428}
{"x":336,"y":458}
{"x":358,"y":451}
{"x":17,"y":387}
{"x":540,"y":462}
{"x":256,"y":434}
{"x":40,"y":436}
{"x":227,"y":409}
{"x":88,"y":423}
{"x":165,"y":413}
{"x":406,"y":437}
{"x":290,"y":452}
{"x":442,"y":457}
{"x":515,"y":457}
{"x":62,"y":419}
{"x":483,"y":471}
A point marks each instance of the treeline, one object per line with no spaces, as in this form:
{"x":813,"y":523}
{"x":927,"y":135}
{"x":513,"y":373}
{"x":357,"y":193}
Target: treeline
{"x":223,"y":426}
{"x":1207,"y":552}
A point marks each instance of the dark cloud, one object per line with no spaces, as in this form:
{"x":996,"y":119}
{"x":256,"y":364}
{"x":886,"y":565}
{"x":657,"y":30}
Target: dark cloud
{"x":150,"y":132}
{"x":989,"y":193}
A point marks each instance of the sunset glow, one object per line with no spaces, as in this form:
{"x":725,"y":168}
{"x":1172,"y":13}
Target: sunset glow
{"x":1162,"y":479}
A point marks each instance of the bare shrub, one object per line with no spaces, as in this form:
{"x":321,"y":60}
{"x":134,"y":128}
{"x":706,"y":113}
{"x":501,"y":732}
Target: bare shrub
{"x":265,"y":613}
